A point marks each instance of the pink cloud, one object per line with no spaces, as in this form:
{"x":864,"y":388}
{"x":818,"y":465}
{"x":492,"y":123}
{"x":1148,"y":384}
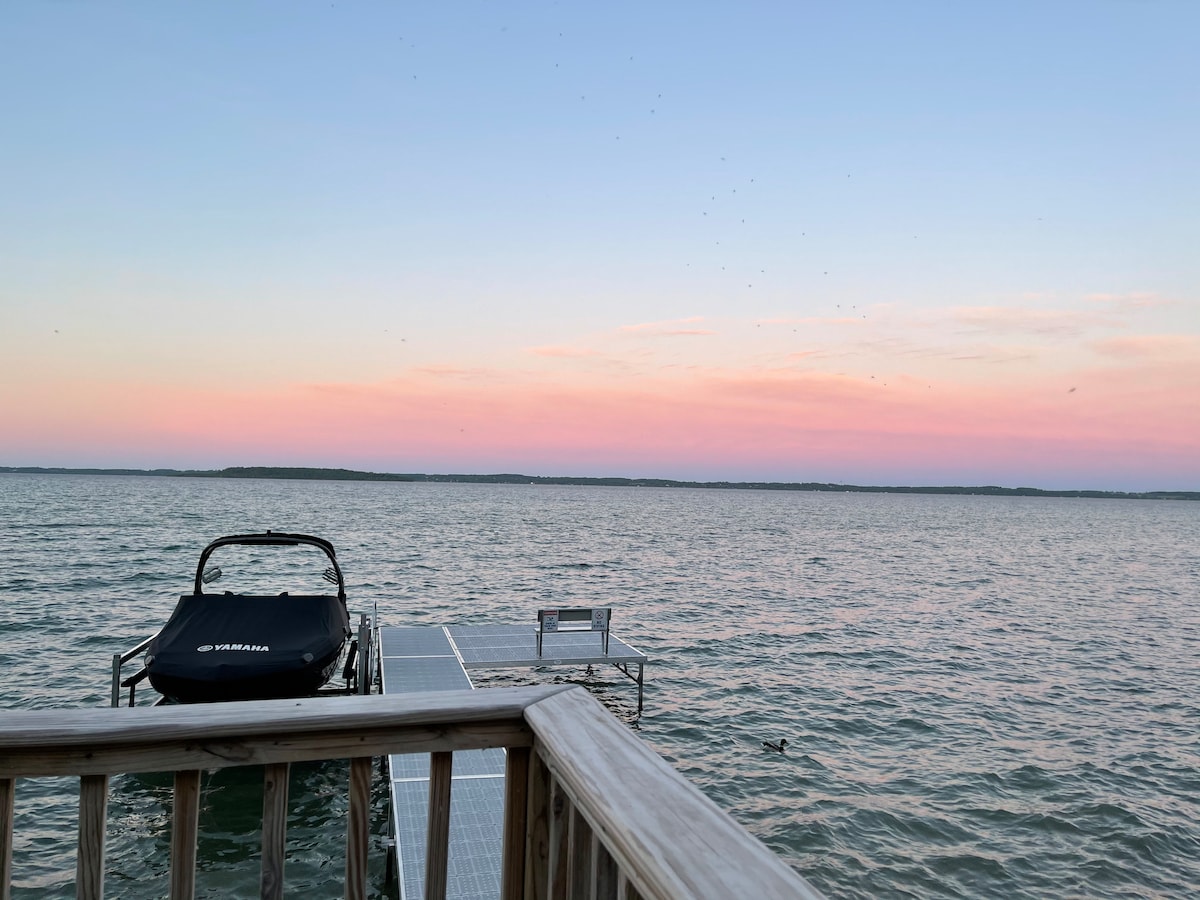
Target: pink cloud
{"x":813,"y":320}
{"x":562,"y":352}
{"x":1008,"y":319}
{"x":1131,"y":301}
{"x":667,"y":329}
{"x":798,"y":355}
{"x":1150,"y":346}
{"x":998,"y":355}
{"x":452,"y":372}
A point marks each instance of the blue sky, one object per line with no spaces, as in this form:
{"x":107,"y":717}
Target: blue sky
{"x":256,"y":197}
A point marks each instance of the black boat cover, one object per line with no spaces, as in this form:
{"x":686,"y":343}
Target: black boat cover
{"x":244,"y":647}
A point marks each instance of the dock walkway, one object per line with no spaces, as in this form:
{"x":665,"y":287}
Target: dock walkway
{"x":418,"y":659}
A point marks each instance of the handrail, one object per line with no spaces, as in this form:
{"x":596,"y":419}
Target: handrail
{"x":591,"y":811}
{"x":667,"y":839}
{"x":257,"y":732}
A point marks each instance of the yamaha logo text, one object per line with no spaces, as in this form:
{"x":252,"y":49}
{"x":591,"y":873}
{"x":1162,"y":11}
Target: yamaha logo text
{"x":254,"y":648}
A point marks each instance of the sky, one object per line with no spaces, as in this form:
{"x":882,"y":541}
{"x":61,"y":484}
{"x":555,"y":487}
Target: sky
{"x":873,"y":242}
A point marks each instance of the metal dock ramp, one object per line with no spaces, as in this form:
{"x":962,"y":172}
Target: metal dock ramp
{"x":419,"y":659}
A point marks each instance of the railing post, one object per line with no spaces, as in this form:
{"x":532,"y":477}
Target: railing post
{"x":274,"y":829}
{"x":185,"y":822}
{"x":357,"y":828}
{"x":625,"y":888}
{"x":579,"y":856}
{"x":516,"y":783}
{"x":93,"y":815}
{"x":537,"y":830}
{"x":604,"y":871}
{"x":437,"y":841}
{"x":8,"y":788}
{"x":559,"y":838}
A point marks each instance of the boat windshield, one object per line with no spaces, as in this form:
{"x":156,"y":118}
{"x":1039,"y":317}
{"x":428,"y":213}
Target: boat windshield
{"x":242,"y":569}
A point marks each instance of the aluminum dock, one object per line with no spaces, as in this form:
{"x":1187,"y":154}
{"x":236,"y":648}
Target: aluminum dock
{"x":416,"y":659}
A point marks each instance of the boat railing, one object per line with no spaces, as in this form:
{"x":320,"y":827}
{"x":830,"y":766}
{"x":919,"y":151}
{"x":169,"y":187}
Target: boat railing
{"x":590,"y":810}
{"x":118,"y":665}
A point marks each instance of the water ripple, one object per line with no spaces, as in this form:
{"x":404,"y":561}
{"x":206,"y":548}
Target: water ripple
{"x":982,"y":696}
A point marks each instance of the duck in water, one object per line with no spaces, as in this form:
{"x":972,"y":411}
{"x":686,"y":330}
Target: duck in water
{"x":777,"y":747}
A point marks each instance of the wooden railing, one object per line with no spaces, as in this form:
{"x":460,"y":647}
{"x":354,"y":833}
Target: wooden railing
{"x":590,"y":811}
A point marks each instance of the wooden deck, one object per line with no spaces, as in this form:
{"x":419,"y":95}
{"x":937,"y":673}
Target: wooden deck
{"x":590,"y":811}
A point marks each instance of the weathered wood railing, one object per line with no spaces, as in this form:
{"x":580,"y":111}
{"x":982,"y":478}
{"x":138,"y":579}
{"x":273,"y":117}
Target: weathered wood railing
{"x":590,"y":811}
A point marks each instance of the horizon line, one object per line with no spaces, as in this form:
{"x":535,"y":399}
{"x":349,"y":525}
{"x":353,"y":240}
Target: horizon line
{"x":327,"y":473}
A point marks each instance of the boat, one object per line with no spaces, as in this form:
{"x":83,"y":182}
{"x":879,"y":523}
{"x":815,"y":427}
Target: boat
{"x":254,"y":646}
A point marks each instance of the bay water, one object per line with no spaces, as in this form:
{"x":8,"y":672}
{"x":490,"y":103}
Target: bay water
{"x":982,"y":696}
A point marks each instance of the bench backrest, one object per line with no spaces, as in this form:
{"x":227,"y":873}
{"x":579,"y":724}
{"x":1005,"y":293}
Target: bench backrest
{"x":552,"y":621}
{"x":592,"y":619}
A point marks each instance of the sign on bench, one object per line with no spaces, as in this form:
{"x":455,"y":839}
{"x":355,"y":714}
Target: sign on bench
{"x":554,"y":621}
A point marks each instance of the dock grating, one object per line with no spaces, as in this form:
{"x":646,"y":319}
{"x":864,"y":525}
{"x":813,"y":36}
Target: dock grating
{"x":420,"y":659}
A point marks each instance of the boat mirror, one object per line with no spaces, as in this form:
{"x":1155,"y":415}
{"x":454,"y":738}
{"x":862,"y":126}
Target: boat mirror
{"x":211,"y":574}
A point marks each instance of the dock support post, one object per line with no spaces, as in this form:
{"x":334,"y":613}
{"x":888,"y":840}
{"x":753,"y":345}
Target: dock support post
{"x":641,"y":672}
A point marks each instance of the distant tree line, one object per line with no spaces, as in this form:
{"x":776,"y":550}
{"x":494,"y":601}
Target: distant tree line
{"x":990,"y":489}
{"x":318,"y":474}
{"x":308,"y":474}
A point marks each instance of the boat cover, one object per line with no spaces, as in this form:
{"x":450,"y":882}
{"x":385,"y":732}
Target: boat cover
{"x":243,"y":647}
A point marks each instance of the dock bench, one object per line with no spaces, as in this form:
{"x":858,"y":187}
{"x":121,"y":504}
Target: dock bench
{"x":558,"y":621}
